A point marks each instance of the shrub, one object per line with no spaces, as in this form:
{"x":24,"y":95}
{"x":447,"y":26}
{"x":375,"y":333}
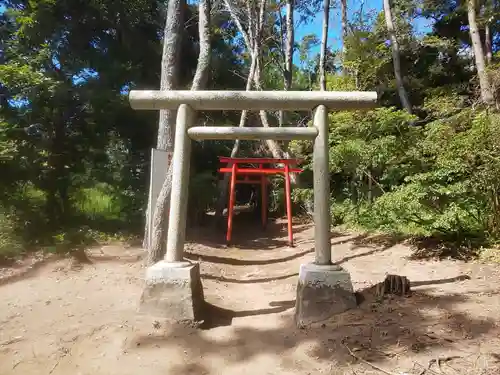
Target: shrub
{"x":11,"y":244}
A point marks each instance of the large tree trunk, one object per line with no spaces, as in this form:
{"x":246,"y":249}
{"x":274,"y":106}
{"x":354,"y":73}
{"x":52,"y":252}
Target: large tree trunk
{"x":288,"y":53}
{"x":159,"y":225}
{"x":290,"y":41}
{"x":160,"y":222}
{"x":484,"y":82}
{"x":396,"y":59}
{"x":172,"y":38}
{"x":166,"y":124}
{"x":343,"y":25}
{"x":324,"y":45}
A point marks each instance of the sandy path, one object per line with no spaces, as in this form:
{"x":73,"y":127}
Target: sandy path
{"x":61,"y":320}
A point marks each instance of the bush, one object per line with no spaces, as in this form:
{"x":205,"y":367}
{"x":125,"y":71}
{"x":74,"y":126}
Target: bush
{"x":10,"y":243}
{"x":458,"y":195}
{"x":98,"y":216}
{"x":98,"y":202}
{"x":441,"y":180}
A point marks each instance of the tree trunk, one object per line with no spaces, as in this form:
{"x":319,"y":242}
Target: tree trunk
{"x":343,"y":31}
{"x":253,"y":41}
{"x":324,"y":45}
{"x":160,"y":221}
{"x":56,"y":177}
{"x":487,"y":13}
{"x":221,"y":202}
{"x":272,"y":145}
{"x":166,"y":124}
{"x":396,"y":59}
{"x":487,"y":44}
{"x":172,"y":38}
{"x":257,"y":37}
{"x":370,"y":186}
{"x":203,"y":67}
{"x":252,"y":37}
{"x":484,"y":82}
{"x":288,"y":52}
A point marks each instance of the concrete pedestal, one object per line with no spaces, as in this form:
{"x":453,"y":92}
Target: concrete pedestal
{"x":322,"y":292}
{"x":173,"y":291}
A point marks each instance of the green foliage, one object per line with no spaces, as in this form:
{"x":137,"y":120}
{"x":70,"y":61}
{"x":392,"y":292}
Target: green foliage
{"x":458,"y":195}
{"x":439,"y":181}
{"x":10,"y":243}
{"x":432,"y":174}
{"x":98,"y":202}
{"x":74,"y":156}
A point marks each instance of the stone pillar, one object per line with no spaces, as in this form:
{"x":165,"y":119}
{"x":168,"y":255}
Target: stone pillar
{"x":180,"y":185}
{"x":321,"y":171}
{"x":324,"y":289}
{"x":173,"y":289}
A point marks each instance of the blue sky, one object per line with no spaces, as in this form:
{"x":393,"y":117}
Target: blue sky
{"x":334,"y":40}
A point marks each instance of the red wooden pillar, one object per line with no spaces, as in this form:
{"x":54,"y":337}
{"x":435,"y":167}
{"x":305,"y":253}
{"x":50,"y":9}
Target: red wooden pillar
{"x":288,"y":194}
{"x":232,"y":186}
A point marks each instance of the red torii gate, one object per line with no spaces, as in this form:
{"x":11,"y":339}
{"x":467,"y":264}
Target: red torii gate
{"x":262,"y":172}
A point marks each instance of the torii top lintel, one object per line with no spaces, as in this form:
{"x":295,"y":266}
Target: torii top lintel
{"x":252,"y":100}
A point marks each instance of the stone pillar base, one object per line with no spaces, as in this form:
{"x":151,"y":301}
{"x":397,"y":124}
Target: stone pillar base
{"x":322,"y":292}
{"x":173,"y":292}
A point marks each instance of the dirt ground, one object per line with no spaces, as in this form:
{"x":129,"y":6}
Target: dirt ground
{"x":63,"y":317}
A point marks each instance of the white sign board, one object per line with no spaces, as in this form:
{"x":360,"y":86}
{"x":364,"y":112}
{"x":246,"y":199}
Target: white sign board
{"x":160,"y":162}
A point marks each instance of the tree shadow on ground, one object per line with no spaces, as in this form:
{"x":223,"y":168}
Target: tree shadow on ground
{"x":32,"y":267}
{"x":249,"y":281}
{"x":247,"y":233}
{"x":451,"y":246}
{"x":439,"y":247}
{"x":217,"y":316}
{"x":376,"y":331}
{"x":377,"y":240}
{"x":377,"y":243}
{"x":358,"y":240}
{"x":245,"y":262}
{"x":27,"y":271}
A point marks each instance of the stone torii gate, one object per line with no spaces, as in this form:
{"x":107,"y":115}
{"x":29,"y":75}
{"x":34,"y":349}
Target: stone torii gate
{"x":173,"y":287}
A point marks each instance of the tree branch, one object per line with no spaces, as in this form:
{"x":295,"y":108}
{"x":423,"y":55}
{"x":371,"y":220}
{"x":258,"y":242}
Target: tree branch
{"x":237,"y":20}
